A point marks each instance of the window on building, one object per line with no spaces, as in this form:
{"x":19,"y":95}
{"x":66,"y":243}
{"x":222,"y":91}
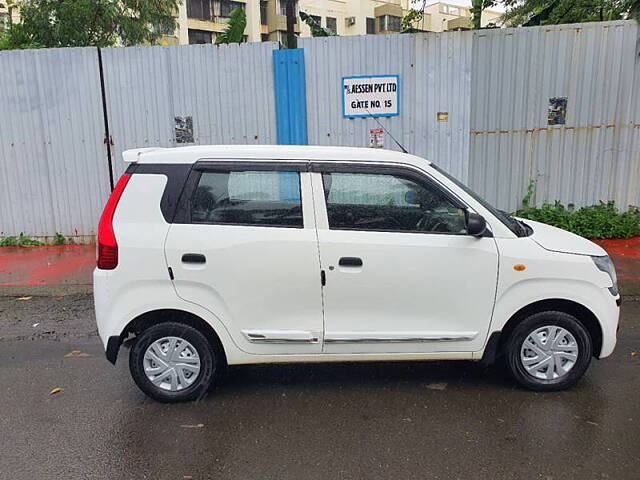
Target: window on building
{"x":371,"y":26}
{"x":263,"y":12}
{"x":163,"y":29}
{"x":449,"y":9}
{"x":199,"y":36}
{"x":264,"y":37}
{"x":332,"y":24}
{"x":256,"y":198}
{"x":227,"y":6}
{"x":389,"y":23}
{"x":283,"y":7}
{"x":199,"y":9}
{"x":389,"y":202}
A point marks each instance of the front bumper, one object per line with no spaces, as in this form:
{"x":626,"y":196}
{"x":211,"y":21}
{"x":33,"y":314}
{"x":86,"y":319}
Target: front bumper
{"x":609,"y":317}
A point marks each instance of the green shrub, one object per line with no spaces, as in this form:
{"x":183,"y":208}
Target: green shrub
{"x":21,"y":240}
{"x":59,"y":239}
{"x":596,"y":221}
{"x":9,"y":242}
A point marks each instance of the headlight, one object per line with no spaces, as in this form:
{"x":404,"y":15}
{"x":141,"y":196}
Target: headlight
{"x":606,"y":265}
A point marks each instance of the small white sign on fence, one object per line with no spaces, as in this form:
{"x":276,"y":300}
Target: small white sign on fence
{"x":370,"y":96}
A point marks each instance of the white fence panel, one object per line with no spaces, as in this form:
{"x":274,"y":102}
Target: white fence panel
{"x":435,"y":76}
{"x":595,"y":155}
{"x":226,"y":90}
{"x":53,"y":168}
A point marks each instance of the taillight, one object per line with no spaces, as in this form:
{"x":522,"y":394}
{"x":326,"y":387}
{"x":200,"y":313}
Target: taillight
{"x":107,"y":244}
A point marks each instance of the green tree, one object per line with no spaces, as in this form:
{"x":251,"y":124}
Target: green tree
{"x":477,"y":6}
{"x":552,"y":12}
{"x":80,"y":23}
{"x":316,"y":28}
{"x":234,"y":33}
{"x":413,"y":16}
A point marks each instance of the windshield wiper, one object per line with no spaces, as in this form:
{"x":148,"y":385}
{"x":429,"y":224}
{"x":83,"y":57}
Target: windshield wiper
{"x":519,"y":227}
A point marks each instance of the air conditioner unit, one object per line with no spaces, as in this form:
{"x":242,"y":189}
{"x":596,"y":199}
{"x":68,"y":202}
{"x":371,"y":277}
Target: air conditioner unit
{"x":350,"y":21}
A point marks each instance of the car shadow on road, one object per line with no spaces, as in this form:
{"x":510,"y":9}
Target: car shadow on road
{"x":436,"y":375}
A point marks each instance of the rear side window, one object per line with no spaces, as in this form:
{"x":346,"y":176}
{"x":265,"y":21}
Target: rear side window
{"x":389,"y":202}
{"x":256,"y":198}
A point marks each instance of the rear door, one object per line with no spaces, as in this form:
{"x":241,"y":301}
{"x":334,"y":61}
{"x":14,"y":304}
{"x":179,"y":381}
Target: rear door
{"x":244,"y":246}
{"x":402,"y":274}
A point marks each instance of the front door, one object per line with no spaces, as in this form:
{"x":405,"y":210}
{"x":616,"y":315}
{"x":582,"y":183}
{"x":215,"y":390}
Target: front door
{"x":402,"y":275}
{"x":246,"y":249}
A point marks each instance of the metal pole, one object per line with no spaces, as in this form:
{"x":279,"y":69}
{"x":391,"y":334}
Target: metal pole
{"x":291,"y":22}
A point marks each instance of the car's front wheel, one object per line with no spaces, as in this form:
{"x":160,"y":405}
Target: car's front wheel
{"x":549,"y":351}
{"x":172,"y":362}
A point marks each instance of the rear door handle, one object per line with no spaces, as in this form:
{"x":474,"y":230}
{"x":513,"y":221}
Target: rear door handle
{"x":193,"y":258}
{"x":350,"y":262}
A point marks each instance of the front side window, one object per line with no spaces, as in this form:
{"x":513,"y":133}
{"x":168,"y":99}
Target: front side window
{"x":389,"y":202}
{"x":258,"y":198}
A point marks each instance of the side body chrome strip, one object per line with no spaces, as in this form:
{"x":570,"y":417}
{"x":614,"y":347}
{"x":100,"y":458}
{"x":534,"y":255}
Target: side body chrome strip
{"x":307,"y":337}
{"x":281,"y":336}
{"x":362,"y":337}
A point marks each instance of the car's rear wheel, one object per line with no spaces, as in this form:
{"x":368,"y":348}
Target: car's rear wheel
{"x":173,"y":362}
{"x":549,"y":351}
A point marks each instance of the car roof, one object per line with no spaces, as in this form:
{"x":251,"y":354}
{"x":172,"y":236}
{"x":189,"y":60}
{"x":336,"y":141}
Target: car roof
{"x":194,"y":153}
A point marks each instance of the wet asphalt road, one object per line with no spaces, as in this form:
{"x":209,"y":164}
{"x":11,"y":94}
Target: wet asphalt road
{"x":341,"y":421}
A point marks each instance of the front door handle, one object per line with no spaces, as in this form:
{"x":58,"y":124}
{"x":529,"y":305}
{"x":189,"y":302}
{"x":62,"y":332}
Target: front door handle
{"x":350,"y":262}
{"x":194,"y":258}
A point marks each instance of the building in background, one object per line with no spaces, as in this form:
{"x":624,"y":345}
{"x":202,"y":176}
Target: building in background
{"x":440,"y":17}
{"x":6,"y":13}
{"x":199,"y":21}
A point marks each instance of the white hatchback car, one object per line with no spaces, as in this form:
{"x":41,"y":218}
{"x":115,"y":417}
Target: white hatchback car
{"x":216,"y":255}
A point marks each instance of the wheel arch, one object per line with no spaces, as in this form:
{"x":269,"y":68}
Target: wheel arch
{"x":583,"y":314}
{"x":154,"y":317}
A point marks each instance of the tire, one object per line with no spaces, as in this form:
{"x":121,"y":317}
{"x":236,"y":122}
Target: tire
{"x":566,"y":370}
{"x":173,"y":370}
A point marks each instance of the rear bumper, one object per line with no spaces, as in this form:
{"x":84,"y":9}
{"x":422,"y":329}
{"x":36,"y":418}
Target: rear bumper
{"x":102,"y":302}
{"x":113,"y":346}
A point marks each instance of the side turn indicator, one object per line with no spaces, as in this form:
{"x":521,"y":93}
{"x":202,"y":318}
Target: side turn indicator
{"x":518,"y":267}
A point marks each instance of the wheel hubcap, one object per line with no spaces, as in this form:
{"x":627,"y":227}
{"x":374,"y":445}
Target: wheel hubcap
{"x":549,"y":352}
{"x":171,"y":363}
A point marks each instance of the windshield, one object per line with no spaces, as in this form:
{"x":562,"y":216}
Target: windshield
{"x":511,"y":223}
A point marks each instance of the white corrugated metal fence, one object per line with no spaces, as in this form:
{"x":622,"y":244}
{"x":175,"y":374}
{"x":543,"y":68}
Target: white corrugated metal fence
{"x":596,"y":154}
{"x":475,"y":103}
{"x":53,"y":170}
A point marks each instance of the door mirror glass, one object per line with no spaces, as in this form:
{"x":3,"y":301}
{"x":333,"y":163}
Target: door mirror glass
{"x":411,"y":197}
{"x":476,"y":224}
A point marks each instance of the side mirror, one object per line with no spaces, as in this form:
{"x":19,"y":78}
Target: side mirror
{"x":476,"y":224}
{"x":411,"y":197}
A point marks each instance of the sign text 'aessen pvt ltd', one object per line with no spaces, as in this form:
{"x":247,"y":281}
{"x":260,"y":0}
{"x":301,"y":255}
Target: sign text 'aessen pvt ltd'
{"x":371,"y":96}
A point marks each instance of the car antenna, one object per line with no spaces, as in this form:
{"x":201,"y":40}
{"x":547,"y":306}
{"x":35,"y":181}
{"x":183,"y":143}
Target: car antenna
{"x":404,"y":150}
